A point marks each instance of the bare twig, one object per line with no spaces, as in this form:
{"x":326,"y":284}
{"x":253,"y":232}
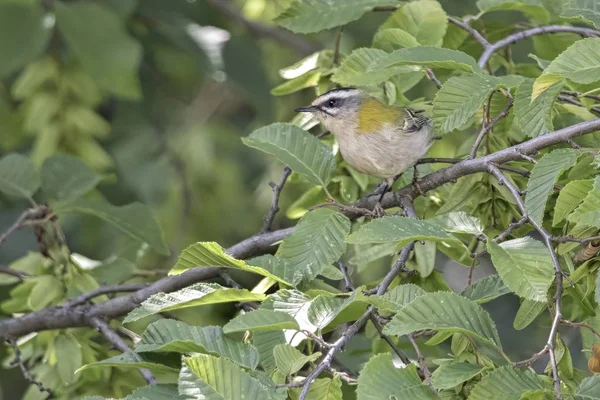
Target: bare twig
{"x":432,"y":77}
{"x":84,"y":298}
{"x":508,"y":168}
{"x":119,"y":344}
{"x":473,"y":32}
{"x":565,"y":239}
{"x":547,"y":238}
{"x":9,"y":271}
{"x":580,"y":325}
{"x":390,"y":342}
{"x":488,"y":126}
{"x":277,"y":188}
{"x":421,"y":359}
{"x":338,"y":42}
{"x":26,"y":374}
{"x":288,"y":39}
{"x":537,"y":356}
{"x":30,"y":214}
{"x":538,"y":30}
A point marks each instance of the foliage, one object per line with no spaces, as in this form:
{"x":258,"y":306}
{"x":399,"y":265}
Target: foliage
{"x":127,"y":289}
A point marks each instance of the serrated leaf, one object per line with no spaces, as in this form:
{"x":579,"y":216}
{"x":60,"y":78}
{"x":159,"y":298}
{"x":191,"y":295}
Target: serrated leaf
{"x":130,"y":359}
{"x":261,"y":320}
{"x":356,"y":69}
{"x":542,"y":179}
{"x":589,"y":388}
{"x":448,"y":376}
{"x":289,"y":360}
{"x":173,"y":336}
{"x":321,"y":389}
{"x":428,"y":56}
{"x":460,"y":222}
{"x":524,"y":265}
{"x":135,"y":219}
{"x":323,"y":309}
{"x":528,"y":311}
{"x":307,"y":16}
{"x":402,"y":230}
{"x":570,"y":196}
{"x":191,"y":296}
{"x":210,"y":254}
{"x":79,"y":24}
{"x":265,"y":342}
{"x":296,"y":148}
{"x":587,"y":212}
{"x":397,"y":297}
{"x":587,"y":10}
{"x":24,"y":34}
{"x":379,"y":380}
{"x":425,"y":20}
{"x":579,"y":63}
{"x":161,"y":391}
{"x":217,"y":378}
{"x":66,"y":178}
{"x":277,"y":266}
{"x":390,"y":39}
{"x":460,"y":97}
{"x":535,"y":117}
{"x":533,"y":8}
{"x":506,"y":383}
{"x":444,"y":311}
{"x":18,"y":177}
{"x":296,"y":304}
{"x":317,"y":241}
{"x":486,"y":289}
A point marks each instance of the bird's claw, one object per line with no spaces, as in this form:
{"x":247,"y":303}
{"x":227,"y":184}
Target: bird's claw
{"x":378,"y":211}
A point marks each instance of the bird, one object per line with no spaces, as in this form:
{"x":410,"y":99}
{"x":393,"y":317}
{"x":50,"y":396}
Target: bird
{"x":374,"y":138}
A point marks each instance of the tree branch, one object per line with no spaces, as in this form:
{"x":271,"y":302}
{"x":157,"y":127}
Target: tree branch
{"x":26,"y":374}
{"x":84,"y":298}
{"x":277,"y":188}
{"x":473,"y":32}
{"x":487,"y":126}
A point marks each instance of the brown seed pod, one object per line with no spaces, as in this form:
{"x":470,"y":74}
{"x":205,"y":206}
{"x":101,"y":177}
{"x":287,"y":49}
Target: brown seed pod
{"x":594,"y":365}
{"x":588,"y":251}
{"x":596,"y":350}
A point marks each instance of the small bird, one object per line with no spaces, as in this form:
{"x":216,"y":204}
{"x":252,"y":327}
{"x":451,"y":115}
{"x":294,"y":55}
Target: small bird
{"x":374,"y":138}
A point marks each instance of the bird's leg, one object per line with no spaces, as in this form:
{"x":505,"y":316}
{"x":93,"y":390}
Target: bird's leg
{"x":378,"y":210}
{"x":381,"y":187}
{"x":415,"y":180}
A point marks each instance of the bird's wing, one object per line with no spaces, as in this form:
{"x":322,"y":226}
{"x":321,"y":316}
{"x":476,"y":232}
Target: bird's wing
{"x":414,"y":121}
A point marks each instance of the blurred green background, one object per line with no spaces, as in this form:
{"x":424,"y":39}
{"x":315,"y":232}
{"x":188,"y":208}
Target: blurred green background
{"x":156,"y":95}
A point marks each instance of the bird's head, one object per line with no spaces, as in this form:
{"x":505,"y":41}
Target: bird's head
{"x":338,"y":109}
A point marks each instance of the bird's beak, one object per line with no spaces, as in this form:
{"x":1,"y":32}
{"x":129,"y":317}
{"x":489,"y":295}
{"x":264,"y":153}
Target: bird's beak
{"x":307,"y":109}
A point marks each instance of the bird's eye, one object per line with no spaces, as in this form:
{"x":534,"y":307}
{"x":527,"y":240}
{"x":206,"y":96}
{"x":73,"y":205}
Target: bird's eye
{"x":331,"y":103}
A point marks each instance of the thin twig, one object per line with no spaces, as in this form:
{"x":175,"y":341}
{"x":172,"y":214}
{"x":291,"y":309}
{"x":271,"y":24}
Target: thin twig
{"x":488,"y":126}
{"x":565,"y":239}
{"x":547,"y":239}
{"x":229,"y":281}
{"x":441,"y":160}
{"x":421,"y":359}
{"x":30,"y":214}
{"x":391,"y":343}
{"x":580,"y":325}
{"x":9,"y":271}
{"x":277,"y":188}
{"x":432,"y":77}
{"x":338,"y":42}
{"x":526,"y":363}
{"x":119,"y":344}
{"x":26,"y":374}
{"x":473,"y":32}
{"x":84,"y":298}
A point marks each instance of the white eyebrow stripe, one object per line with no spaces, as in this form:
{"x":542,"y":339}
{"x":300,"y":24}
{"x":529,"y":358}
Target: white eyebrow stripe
{"x":337,"y":94}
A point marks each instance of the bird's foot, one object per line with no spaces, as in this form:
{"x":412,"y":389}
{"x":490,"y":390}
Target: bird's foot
{"x":378,"y":211}
{"x":379,"y":189}
{"x":415,"y":181}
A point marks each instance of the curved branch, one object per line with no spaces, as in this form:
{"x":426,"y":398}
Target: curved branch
{"x":538,"y":30}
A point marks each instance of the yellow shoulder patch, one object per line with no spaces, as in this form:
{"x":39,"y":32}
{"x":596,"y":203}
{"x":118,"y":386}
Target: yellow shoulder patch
{"x":373,"y":115}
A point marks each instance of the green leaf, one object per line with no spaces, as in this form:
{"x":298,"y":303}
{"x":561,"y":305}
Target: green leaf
{"x":24,"y":34}
{"x":579,"y":63}
{"x":427,"y":56}
{"x":357,"y":69}
{"x":570,"y":196}
{"x":506,"y":383}
{"x":66,"y":178}
{"x":130,"y":359}
{"x":321,"y":389}
{"x":317,"y":241}
{"x":393,"y":39}
{"x":161,"y":391}
{"x":135,"y":219}
{"x":217,"y":378}
{"x":486,"y":289}
{"x":277,"y":266}
{"x":368,"y":253}
{"x":589,"y":388}
{"x":402,"y":230}
{"x":528,"y":311}
{"x":460,"y":97}
{"x":449,"y":375}
{"x":425,"y":258}
{"x":524,"y":265}
{"x":261,"y":320}
{"x":425,"y":20}
{"x":111,"y":59}
{"x":535,"y":117}
{"x":46,"y":291}
{"x":324,"y":309}
{"x":460,"y":222}
{"x":397,"y":297}
{"x":191,"y":296}
{"x":294,"y":303}
{"x":289,"y":360}
{"x":68,"y":352}
{"x":307,"y":80}
{"x":307,"y":16}
{"x":296,"y":148}
{"x":586,"y":10}
{"x":168,"y":335}
{"x":444,"y":311}
{"x":210,"y":254}
{"x":532,"y":8}
{"x":543,"y":176}
{"x":587,"y":212}
{"x":18,"y":177}
{"x":379,"y":380}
